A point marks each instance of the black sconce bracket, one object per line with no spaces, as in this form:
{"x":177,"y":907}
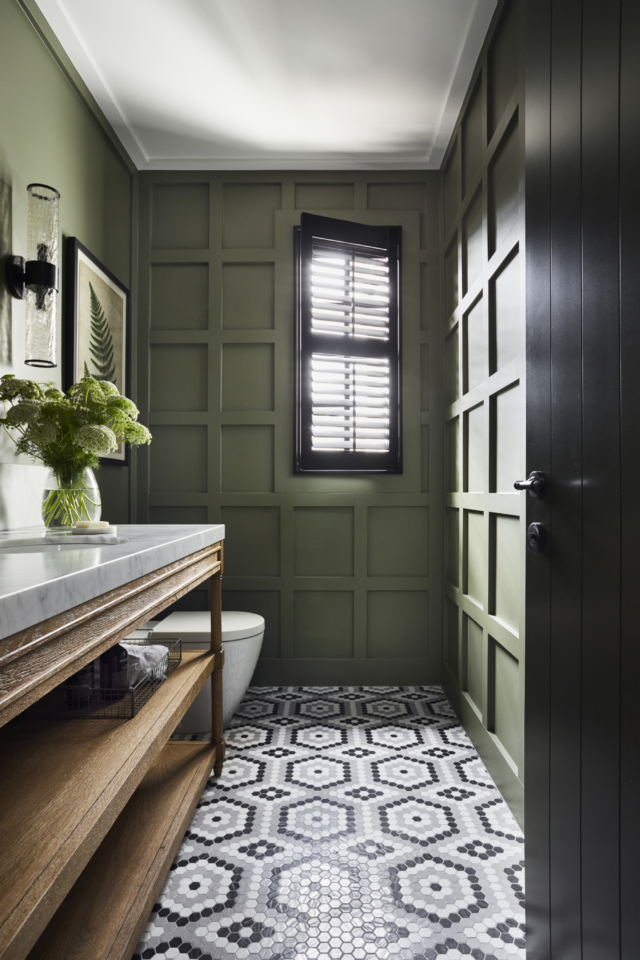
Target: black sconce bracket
{"x":21,"y":273}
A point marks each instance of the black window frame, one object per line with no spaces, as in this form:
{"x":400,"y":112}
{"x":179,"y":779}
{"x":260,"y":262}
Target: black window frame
{"x":344,"y":233}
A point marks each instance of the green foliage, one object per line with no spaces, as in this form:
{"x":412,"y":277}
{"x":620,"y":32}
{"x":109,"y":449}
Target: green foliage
{"x":101,"y":346}
{"x":69,"y":432}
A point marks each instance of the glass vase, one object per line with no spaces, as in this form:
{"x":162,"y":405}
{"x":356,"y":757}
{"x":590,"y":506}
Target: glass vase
{"x":67,"y":499}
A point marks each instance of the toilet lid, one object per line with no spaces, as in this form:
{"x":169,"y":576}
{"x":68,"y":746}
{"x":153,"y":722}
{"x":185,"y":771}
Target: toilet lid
{"x":238,"y":626}
{"x":194,"y":626}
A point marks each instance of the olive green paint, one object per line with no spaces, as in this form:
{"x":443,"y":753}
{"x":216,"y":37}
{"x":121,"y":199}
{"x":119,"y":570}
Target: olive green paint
{"x":52,"y":132}
{"x":346,"y":570}
{"x":484,"y":416}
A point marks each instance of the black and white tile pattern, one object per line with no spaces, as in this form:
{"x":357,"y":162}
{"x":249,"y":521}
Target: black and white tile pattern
{"x":349,"y":822}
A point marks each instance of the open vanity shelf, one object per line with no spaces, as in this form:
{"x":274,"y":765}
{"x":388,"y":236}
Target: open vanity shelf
{"x":93,"y":811}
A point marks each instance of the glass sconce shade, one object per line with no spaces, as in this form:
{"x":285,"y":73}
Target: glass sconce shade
{"x":43,"y":230}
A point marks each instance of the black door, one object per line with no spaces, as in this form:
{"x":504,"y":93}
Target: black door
{"x":583,"y":385}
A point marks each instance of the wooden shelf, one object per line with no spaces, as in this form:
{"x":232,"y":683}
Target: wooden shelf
{"x":104,"y":914}
{"x":63,"y":784}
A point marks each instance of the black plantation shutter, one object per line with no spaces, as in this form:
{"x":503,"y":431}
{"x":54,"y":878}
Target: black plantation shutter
{"x":347,"y":374}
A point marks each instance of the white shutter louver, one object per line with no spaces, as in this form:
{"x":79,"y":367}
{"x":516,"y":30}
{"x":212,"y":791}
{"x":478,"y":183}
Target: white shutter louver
{"x":350,"y":397}
{"x":349,"y":294}
{"x":347,"y":373}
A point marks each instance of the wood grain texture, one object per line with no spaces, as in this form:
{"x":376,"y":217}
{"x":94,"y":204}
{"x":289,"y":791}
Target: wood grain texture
{"x":63,"y":785}
{"x":217,"y":732}
{"x":34,"y":661}
{"x":104,"y":914}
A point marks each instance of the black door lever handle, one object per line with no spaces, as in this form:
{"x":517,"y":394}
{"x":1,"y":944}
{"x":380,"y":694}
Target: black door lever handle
{"x":536,"y":484}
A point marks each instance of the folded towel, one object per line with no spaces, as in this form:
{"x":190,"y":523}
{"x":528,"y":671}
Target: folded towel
{"x":146,"y":660}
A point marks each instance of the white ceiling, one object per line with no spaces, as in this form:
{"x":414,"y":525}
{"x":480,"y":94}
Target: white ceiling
{"x":276,"y":84}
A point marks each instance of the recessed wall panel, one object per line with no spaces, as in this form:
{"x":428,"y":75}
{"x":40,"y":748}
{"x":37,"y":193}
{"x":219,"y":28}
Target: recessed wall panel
{"x":502,"y":63}
{"x":178,"y":515}
{"x":451,"y":652}
{"x":475,"y":453}
{"x":424,"y":296}
{"x":452,"y":455}
{"x":424,"y":377}
{"x":397,"y":542}
{"x":506,"y":316}
{"x":475,"y":556}
{"x":451,"y":282}
{"x":248,"y":219}
{"x":473,"y":241}
{"x":252,"y":541}
{"x":324,"y":196}
{"x":505,"y":687}
{"x":180,"y":216}
{"x":451,"y":368}
{"x":323,"y":544}
{"x":452,"y":545}
{"x":179,"y":296}
{"x":266,"y":603}
{"x":472,"y":145}
{"x":506,"y":575}
{"x":475,"y":347}
{"x":399,"y":196}
{"x":179,"y":377}
{"x":247,"y":376}
{"x":178,"y":459}
{"x":424,"y":458}
{"x":474,"y":660}
{"x":508,"y":427}
{"x":396,"y":624}
{"x":248,"y":296}
{"x":504,"y":189}
{"x":247,"y":458}
{"x":396,"y":196}
{"x":323,"y":624}
{"x":451,"y":185}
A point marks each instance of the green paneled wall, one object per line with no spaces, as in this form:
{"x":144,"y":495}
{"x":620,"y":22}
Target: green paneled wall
{"x":346,"y":571}
{"x":484,"y":367}
{"x":52,"y":132}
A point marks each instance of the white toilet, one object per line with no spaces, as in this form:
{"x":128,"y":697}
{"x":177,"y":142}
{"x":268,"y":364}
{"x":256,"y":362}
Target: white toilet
{"x":242,"y":635}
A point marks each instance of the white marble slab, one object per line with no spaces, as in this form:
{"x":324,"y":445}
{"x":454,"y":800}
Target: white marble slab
{"x":35,"y":586}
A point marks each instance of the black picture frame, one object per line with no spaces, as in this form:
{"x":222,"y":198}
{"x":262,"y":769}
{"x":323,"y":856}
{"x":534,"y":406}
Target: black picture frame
{"x":81,"y":266}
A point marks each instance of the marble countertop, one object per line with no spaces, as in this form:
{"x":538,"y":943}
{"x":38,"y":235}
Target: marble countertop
{"x":41,"y":584}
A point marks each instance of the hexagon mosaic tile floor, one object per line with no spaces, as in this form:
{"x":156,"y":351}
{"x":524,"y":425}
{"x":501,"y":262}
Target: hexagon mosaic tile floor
{"x":349,"y":822}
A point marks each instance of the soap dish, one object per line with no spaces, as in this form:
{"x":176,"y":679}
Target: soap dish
{"x":110,"y":531}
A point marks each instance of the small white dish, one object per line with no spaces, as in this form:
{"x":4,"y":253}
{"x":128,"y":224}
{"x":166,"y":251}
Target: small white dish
{"x":109,"y":531}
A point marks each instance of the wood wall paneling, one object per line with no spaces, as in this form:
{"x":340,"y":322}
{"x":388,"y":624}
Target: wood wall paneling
{"x":341,"y":568}
{"x":484,"y":375}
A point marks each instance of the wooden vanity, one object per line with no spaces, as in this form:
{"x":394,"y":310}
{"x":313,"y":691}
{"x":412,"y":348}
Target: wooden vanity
{"x":92,"y":812}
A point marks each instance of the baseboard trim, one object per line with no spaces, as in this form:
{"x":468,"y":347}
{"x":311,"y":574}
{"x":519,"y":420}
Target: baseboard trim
{"x":507,"y":782}
{"x":348,"y":673}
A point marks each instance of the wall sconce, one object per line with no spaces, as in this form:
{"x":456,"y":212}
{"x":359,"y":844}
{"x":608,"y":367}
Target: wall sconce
{"x":37,"y":278}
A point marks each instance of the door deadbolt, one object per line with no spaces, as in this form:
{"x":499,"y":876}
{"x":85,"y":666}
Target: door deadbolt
{"x":537,"y":536}
{"x":536,"y":484}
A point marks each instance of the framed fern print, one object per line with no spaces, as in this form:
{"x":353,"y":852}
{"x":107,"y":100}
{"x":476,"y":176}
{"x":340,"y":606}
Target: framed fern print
{"x":97,"y":325}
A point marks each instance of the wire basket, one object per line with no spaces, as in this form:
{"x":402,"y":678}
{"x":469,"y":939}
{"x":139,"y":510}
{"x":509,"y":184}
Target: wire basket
{"x":70,"y":701}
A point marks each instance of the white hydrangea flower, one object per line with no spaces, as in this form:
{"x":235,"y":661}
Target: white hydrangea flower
{"x":42,"y":433}
{"x":125,"y":405}
{"x":109,"y":389}
{"x":95,"y":438}
{"x":25,"y":411}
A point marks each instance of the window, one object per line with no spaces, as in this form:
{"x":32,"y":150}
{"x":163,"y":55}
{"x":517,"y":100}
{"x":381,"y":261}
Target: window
{"x":347,"y":347}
